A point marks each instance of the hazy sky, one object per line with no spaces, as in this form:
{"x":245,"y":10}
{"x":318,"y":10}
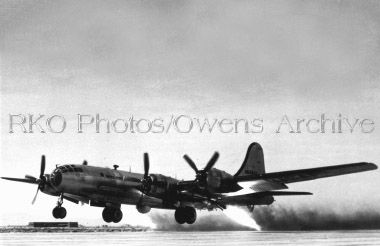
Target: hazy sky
{"x":225,"y":59}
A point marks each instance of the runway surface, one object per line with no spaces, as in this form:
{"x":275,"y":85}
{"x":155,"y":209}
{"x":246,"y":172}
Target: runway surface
{"x":160,"y":238}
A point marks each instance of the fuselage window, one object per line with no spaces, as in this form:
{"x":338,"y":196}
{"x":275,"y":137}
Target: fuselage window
{"x":102,"y":174}
{"x":64,"y":169}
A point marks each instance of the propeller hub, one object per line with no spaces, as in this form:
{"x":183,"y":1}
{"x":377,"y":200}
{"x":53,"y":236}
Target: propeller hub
{"x":146,"y":184}
{"x":201,"y":175}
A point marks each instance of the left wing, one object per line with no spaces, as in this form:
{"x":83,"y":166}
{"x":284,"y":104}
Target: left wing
{"x":309,"y":174}
{"x":259,"y":198}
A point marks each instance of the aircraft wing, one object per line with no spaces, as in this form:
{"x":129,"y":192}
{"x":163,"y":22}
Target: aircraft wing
{"x":75,"y":199}
{"x":309,"y":174}
{"x":259,"y":198}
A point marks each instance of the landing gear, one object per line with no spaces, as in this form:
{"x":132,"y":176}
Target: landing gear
{"x":59,"y":212}
{"x":185,"y":215}
{"x":251,"y":208}
{"x":112,"y":215}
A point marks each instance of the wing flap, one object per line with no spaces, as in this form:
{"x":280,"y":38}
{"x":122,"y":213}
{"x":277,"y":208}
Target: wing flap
{"x":311,"y":173}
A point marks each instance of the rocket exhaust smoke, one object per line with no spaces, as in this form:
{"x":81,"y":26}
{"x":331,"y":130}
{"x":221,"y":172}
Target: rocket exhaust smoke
{"x":206,"y":221}
{"x":137,"y":219}
{"x":272,"y":218}
{"x":242,"y":217}
{"x":281,"y":218}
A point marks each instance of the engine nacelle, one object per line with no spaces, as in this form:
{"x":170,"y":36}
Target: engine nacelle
{"x":143,"y":209}
{"x":160,"y":184}
{"x":221,"y":181}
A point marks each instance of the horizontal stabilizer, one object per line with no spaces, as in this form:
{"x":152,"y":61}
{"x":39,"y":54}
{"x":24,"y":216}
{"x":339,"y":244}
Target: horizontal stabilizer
{"x":30,"y":181}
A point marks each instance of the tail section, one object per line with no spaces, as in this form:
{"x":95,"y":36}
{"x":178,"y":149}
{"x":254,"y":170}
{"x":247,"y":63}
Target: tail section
{"x":253,"y":163}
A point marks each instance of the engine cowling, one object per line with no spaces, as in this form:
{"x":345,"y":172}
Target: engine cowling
{"x":221,"y":181}
{"x":161,"y":183}
{"x":143,"y":209}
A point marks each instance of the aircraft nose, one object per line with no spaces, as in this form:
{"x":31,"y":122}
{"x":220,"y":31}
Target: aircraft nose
{"x":56,"y":178}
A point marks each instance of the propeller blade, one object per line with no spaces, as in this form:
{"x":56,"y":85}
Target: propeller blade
{"x":30,"y":181}
{"x":211,"y":162}
{"x":191,"y":163}
{"x":146,"y":165}
{"x":30,"y":177}
{"x":43,"y":163}
{"x":35,"y":196}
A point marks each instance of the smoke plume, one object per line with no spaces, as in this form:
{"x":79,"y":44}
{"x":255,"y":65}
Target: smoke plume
{"x":206,"y":221}
{"x":276,"y":218}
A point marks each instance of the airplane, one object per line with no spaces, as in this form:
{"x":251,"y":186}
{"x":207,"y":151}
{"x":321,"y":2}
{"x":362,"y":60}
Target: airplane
{"x":211,"y":189}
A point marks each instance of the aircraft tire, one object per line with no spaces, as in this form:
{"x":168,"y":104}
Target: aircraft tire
{"x":180,"y":215}
{"x":117,"y":215}
{"x":190,"y":214}
{"x":59,"y":212}
{"x":107,"y":214}
{"x":56,"y":212}
{"x":62,"y":212}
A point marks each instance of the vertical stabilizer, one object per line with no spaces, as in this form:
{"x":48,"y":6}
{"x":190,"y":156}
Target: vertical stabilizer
{"x":253,"y":163}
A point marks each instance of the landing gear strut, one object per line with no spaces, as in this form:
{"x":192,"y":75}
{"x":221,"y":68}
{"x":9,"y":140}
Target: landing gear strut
{"x":111,"y":214}
{"x":250,"y":208}
{"x":59,"y":212}
{"x":185,"y":215}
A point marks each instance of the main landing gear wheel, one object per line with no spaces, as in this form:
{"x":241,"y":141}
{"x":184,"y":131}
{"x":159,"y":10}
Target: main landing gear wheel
{"x":59,"y":212}
{"x":179,"y":216}
{"x":112,"y":215}
{"x":185,"y":215}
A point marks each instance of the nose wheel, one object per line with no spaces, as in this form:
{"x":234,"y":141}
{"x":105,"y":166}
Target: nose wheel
{"x":112,"y":215}
{"x":185,"y":215}
{"x":59,"y":212}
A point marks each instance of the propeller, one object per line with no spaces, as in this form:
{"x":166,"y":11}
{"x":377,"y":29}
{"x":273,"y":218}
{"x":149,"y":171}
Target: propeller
{"x":146,"y":180}
{"x":42,"y":170}
{"x":146,"y":165}
{"x":42,"y":179}
{"x":201,"y":175}
{"x":30,"y":177}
